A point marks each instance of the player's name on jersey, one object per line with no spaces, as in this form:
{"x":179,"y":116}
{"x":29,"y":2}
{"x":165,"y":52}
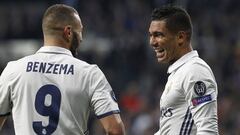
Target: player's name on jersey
{"x":50,"y":68}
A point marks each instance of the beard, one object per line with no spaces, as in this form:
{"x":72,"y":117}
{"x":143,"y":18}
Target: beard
{"x":74,"y":45}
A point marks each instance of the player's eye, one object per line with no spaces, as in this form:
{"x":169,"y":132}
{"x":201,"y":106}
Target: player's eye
{"x":158,"y":34}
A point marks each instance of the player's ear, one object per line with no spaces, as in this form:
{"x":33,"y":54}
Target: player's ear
{"x":181,"y":37}
{"x":67,"y":33}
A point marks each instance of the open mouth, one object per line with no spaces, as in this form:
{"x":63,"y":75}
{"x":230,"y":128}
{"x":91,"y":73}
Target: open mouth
{"x":160,"y":52}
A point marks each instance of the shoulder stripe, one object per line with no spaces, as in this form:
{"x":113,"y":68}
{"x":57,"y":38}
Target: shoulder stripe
{"x":86,"y":132}
{"x":190,"y":128}
{"x":184,"y":121}
{"x":187,"y":124}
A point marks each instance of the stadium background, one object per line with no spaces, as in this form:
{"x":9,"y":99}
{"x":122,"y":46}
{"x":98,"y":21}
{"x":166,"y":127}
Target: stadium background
{"x":116,"y":38}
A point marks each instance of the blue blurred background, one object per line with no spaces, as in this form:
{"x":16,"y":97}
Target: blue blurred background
{"x":116,"y":38}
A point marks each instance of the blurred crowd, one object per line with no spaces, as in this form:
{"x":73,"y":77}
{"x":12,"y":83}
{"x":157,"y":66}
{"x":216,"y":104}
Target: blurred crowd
{"x":115,"y":37}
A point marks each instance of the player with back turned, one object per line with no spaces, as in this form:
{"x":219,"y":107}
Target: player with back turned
{"x":188,"y":104}
{"x":51,"y":92}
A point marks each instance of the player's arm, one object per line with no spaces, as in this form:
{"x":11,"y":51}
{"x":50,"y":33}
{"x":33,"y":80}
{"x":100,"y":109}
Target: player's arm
{"x":113,"y":125}
{"x":5,"y":94}
{"x":202,"y":99}
{"x":2,"y":120}
{"x":104,"y":103}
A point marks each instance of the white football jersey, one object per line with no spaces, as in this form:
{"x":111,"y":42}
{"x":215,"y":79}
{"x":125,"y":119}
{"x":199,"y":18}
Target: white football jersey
{"x":52,"y":93}
{"x":188,"y":104}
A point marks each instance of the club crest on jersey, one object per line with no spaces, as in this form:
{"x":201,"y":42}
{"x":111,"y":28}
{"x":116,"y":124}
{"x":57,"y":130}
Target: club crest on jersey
{"x":113,"y":96}
{"x":200,"y":88}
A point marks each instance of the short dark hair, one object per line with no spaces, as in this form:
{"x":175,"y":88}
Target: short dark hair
{"x":58,"y":16}
{"x":176,"y":18}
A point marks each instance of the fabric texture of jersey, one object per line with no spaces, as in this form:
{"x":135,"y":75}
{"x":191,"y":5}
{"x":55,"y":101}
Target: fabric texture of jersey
{"x":188,"y":104}
{"x":51,"y":92}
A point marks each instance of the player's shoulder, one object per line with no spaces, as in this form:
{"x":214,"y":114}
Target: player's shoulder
{"x":15,"y":65}
{"x":12,"y":69}
{"x":19,"y":62}
{"x":197,"y":68}
{"x":84,"y":66}
{"x":197,"y":64}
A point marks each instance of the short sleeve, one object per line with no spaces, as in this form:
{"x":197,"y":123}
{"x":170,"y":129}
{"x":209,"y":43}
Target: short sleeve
{"x":200,"y":82}
{"x":103,"y":100}
{"x":5,"y":92}
{"x":201,"y":94}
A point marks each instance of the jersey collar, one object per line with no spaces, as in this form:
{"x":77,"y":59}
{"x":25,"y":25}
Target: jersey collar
{"x":185,"y":58}
{"x":54,"y":50}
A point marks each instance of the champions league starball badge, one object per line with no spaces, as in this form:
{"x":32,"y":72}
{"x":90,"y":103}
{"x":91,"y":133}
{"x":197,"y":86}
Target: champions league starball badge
{"x":200,"y":88}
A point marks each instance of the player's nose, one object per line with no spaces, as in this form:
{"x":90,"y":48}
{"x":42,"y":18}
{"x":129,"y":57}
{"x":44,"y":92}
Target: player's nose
{"x":153,"y":42}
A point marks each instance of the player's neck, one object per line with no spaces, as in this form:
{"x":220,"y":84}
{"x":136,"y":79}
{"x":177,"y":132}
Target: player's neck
{"x":49,"y":41}
{"x":186,"y":48}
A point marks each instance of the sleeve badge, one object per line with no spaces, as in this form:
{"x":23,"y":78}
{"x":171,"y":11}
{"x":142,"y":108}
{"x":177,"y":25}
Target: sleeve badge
{"x":200,"y":88}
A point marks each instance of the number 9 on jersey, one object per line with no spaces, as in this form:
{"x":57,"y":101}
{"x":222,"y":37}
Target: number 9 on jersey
{"x":50,"y":110}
